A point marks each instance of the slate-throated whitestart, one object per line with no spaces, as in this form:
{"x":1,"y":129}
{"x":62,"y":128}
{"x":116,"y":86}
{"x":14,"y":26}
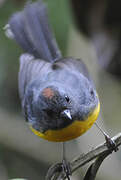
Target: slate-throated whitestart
{"x":58,"y":97}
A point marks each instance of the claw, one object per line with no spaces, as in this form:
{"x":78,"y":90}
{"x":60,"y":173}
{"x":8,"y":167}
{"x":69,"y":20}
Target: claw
{"x":66,"y":169}
{"x":111,"y":144}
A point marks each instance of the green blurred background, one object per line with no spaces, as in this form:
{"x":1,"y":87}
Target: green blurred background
{"x":23,"y":154}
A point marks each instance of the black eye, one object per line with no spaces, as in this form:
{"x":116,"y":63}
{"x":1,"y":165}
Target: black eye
{"x":92,"y":92}
{"x":67,"y":98}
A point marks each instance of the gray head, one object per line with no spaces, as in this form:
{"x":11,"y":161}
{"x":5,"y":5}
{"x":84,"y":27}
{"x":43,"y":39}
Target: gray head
{"x":53,"y":106}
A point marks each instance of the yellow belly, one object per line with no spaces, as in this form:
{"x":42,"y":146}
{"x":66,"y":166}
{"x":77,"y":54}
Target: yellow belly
{"x":76,"y":129}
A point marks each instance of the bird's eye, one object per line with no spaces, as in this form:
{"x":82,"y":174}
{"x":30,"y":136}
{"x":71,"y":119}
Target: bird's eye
{"x":67,"y":98}
{"x":92,"y":92}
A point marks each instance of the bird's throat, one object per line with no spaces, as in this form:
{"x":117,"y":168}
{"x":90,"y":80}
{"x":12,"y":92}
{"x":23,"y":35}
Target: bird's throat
{"x":76,"y":129}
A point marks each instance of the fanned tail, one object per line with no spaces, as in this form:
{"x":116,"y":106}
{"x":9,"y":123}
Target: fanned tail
{"x":31,"y":30}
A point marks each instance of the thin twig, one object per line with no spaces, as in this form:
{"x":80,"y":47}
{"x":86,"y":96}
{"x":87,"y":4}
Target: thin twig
{"x":93,"y":169}
{"x":85,"y":158}
{"x":91,"y":155}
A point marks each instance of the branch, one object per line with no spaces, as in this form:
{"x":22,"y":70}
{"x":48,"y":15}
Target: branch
{"x":100,"y":151}
{"x":93,"y":169}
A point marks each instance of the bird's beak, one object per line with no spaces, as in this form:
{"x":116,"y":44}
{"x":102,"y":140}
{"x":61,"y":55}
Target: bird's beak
{"x":67,"y":114}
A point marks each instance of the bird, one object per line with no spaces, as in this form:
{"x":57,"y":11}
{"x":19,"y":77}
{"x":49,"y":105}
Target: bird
{"x":58,"y":97}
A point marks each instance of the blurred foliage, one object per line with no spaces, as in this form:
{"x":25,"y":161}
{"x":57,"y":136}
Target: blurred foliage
{"x":18,"y":179}
{"x":9,"y":54}
{"x":60,"y":18}
{"x":22,"y":167}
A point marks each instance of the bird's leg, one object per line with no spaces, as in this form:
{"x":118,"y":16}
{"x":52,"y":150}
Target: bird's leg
{"x":110,"y":143}
{"x":65,"y":163}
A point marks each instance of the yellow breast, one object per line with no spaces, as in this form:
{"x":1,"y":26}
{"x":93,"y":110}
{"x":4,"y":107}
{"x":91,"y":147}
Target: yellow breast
{"x":76,"y":129}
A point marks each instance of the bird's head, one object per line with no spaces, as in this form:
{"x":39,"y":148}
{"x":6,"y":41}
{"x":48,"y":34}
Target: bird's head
{"x":48,"y":107}
{"x":55,"y":106}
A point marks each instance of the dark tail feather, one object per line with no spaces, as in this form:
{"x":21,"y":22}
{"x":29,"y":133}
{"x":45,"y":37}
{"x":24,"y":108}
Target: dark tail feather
{"x":32,"y":32}
{"x":17,"y":27}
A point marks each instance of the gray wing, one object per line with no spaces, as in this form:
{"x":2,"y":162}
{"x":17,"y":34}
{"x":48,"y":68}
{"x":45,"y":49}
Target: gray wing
{"x":30,"y":69}
{"x":79,"y":66}
{"x":73,"y":65}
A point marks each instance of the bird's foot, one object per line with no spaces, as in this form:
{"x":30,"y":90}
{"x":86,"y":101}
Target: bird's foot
{"x":110,"y":143}
{"x":66,"y":168}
